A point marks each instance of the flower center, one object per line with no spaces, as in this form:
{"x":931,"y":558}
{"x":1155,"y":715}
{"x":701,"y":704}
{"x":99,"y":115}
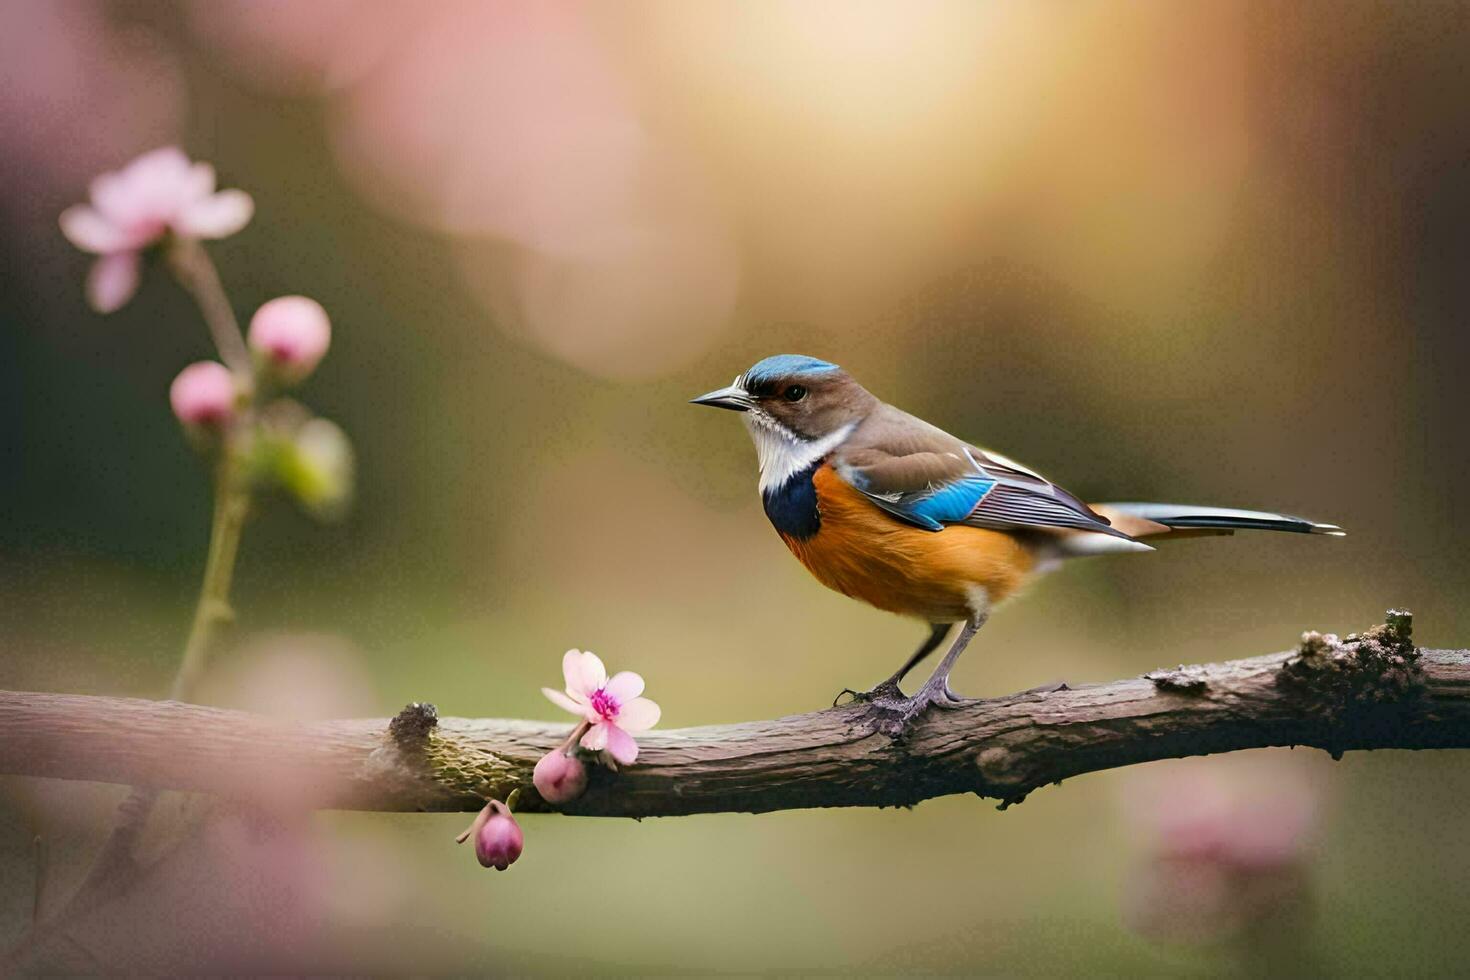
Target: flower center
{"x":147,"y":228}
{"x":605,"y":704}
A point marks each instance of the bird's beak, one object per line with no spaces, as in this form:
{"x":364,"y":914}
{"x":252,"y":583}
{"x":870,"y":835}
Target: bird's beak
{"x":733,"y":398}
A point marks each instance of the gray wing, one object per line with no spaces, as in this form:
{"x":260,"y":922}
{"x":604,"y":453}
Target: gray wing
{"x":927,"y":477}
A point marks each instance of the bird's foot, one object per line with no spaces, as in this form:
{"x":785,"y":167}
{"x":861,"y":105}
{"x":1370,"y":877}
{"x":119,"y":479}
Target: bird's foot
{"x":889,"y":711}
{"x":887,"y":691}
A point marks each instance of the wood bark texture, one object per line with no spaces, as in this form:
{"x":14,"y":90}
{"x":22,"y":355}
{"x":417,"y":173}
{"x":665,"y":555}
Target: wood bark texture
{"x":1369,"y":691}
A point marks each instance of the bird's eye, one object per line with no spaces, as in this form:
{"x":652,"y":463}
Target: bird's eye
{"x":794,"y":393}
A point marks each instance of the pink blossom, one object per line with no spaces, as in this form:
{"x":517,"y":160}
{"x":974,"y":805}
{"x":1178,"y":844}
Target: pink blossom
{"x":498,"y":838}
{"x":612,"y":707}
{"x":292,"y":334}
{"x":559,"y":778}
{"x":133,"y":208}
{"x":203,"y":394}
{"x":1227,"y":849}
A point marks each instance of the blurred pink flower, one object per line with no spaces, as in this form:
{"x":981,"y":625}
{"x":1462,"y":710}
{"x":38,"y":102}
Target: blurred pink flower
{"x":559,"y":778}
{"x":612,"y":708}
{"x":132,"y":208}
{"x":292,"y":333}
{"x":576,"y":225}
{"x":1227,"y":849}
{"x":285,"y":47}
{"x":203,"y":394}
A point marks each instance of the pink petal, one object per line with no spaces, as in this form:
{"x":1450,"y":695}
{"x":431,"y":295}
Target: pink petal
{"x":621,"y":745}
{"x":145,"y":191}
{"x":199,"y":183}
{"x":596,"y":738}
{"x":112,"y":281}
{"x":151,"y":188}
{"x":571,"y":672}
{"x":110,"y":197}
{"x":216,"y":216}
{"x":639,"y":714}
{"x":89,"y":231}
{"x":562,"y":701}
{"x":164,"y":163}
{"x":591,"y":674}
{"x":164,"y":168}
{"x":625,"y":685}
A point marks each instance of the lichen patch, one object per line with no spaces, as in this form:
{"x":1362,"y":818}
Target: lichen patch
{"x":1363,"y":678}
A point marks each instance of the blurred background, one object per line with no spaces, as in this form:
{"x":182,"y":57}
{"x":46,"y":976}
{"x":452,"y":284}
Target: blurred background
{"x":1213,"y":253}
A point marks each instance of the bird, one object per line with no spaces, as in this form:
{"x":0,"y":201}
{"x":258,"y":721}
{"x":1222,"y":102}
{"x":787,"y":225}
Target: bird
{"x":888,"y":509}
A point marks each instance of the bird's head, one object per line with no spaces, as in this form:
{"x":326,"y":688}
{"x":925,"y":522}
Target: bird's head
{"x":793,"y":404}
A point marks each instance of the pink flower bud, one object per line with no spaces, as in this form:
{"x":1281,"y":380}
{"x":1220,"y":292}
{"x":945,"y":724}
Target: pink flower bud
{"x":559,"y":777}
{"x":291,"y":333}
{"x":203,"y":394}
{"x":498,"y":841}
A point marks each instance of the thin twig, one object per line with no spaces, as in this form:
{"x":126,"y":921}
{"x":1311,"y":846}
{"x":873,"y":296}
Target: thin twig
{"x":231,"y":504}
{"x":194,"y":269}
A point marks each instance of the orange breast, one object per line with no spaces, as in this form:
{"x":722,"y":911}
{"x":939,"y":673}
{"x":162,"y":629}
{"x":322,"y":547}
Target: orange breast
{"x":864,"y":552}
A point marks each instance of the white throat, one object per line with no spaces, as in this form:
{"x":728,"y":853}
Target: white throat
{"x":783,"y":453}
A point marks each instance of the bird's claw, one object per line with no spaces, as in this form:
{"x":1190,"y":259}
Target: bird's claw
{"x":889,"y":712}
{"x":891,"y":717}
{"x":887,"y":690}
{"x":950,"y":700}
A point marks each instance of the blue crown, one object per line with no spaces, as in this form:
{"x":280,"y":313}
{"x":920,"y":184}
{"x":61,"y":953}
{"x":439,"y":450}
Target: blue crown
{"x":785,"y":365}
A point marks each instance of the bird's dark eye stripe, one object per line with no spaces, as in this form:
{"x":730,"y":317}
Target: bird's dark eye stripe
{"x":774,"y":389}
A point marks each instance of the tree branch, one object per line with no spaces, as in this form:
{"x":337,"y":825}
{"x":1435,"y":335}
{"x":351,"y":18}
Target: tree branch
{"x":1366,"y":692}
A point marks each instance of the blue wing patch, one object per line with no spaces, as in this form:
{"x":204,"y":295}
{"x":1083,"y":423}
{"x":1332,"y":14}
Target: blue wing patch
{"x":948,"y":504}
{"x":934,"y":507}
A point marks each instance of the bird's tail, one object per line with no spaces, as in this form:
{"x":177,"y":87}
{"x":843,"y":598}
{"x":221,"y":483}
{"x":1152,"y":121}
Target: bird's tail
{"x":1181,"y":520}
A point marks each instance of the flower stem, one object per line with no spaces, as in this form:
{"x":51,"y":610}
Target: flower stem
{"x":477,"y":823}
{"x":194,"y":269}
{"x":577,"y":733}
{"x":196,"y":273}
{"x":231,"y":504}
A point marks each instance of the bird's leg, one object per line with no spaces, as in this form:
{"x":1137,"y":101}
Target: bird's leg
{"x":889,"y":688}
{"x":937,"y":633}
{"x":936,"y":688}
{"x":892,"y":715}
